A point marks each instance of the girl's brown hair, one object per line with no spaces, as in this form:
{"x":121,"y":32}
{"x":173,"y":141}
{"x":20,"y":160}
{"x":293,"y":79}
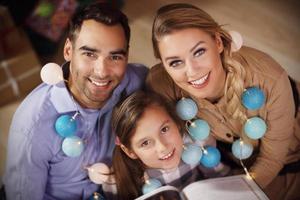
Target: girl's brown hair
{"x":174,"y":17}
{"x":129,"y":172}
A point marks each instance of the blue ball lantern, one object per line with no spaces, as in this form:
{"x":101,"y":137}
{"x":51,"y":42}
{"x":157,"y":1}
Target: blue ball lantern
{"x":191,"y":154}
{"x":255,"y":128}
{"x":65,"y":126}
{"x":72,"y":146}
{"x":211,"y":157}
{"x":150,"y":185}
{"x":96,"y":196}
{"x":241,"y":150}
{"x":199,"y":129}
{"x":186,"y":109}
{"x":253,"y":98}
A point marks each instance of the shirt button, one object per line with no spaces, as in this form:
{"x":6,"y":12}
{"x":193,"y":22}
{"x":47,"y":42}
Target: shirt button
{"x":228,"y":135}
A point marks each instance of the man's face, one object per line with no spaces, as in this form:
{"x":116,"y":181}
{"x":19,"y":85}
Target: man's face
{"x":98,"y":58}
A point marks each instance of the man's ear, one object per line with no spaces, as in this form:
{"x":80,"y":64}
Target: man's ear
{"x":68,"y":48}
{"x":128,"y":152}
{"x":219,"y":43}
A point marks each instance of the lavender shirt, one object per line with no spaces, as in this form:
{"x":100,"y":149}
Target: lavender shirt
{"x":36,"y":166}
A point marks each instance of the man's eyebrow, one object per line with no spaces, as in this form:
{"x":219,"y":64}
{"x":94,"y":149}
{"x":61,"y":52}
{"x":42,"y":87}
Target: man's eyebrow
{"x":119,"y":51}
{"x":86,"y":48}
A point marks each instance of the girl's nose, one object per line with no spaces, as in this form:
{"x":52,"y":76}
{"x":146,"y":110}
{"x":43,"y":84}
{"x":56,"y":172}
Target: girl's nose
{"x":161,"y":146}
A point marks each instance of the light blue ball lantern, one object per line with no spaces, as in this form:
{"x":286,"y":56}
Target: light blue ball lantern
{"x":199,"y":129}
{"x":186,"y":109}
{"x":253,"y":98}
{"x":241,"y":150}
{"x":65,"y":126}
{"x":150,"y":185}
{"x":191,"y":154}
{"x":255,"y":128}
{"x":72,"y":146}
{"x":211,"y":158}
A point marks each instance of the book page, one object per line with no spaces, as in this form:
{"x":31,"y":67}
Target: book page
{"x":162,"y":193}
{"x":225,"y":188}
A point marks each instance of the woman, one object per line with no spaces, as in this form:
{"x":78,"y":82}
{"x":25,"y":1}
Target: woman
{"x":197,"y":61}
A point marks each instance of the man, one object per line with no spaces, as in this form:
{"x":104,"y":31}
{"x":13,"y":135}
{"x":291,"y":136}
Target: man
{"x":97,"y":77}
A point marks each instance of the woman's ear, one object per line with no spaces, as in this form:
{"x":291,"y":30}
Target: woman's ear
{"x":128,"y":152}
{"x":68,"y":50}
{"x":219,"y":43}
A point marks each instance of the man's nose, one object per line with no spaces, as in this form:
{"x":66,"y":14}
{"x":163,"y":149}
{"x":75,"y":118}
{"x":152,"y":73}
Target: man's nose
{"x":101,"y":67}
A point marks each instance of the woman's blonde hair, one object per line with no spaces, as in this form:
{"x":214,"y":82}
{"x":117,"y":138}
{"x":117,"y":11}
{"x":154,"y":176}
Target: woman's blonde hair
{"x":174,"y":17}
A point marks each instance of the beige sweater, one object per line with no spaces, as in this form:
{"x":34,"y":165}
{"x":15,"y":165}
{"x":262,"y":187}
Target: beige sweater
{"x":281,"y":143}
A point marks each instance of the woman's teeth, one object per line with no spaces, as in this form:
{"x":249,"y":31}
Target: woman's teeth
{"x":200,"y":81}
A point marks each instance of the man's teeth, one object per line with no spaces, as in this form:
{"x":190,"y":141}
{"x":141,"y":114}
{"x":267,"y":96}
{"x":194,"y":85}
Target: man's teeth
{"x":99,"y":84}
{"x":200,"y":81}
{"x":167,"y":156}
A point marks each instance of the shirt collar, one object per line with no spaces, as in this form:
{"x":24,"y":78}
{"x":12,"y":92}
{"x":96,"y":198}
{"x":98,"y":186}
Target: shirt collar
{"x":64,"y":102}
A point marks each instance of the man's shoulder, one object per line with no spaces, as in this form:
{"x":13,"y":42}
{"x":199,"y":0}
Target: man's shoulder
{"x":137,"y":69}
{"x":37,"y":95}
{"x":136,"y":75}
{"x":33,"y":106}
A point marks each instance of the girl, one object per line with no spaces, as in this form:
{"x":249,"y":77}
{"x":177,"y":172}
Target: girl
{"x":198,"y":61}
{"x":149,"y":139}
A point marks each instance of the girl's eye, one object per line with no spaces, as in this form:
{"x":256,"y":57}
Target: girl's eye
{"x":199,"y":52}
{"x":165,"y":129}
{"x":175,"y":63}
{"x":145,"y":143}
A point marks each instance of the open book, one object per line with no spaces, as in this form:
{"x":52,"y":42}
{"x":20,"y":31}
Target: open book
{"x":226,"y":188}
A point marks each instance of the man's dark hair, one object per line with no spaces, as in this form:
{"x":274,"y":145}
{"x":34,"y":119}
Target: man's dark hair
{"x":101,"y":12}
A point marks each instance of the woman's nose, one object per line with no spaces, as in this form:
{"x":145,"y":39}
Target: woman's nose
{"x":191,"y":68}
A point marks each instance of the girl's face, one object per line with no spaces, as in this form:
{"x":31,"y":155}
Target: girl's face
{"x":157,"y":141}
{"x":192,"y":58}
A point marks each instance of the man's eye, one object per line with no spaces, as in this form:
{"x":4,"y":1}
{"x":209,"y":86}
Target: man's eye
{"x":175,"y":63}
{"x":116,"y":57}
{"x":89,"y":54}
{"x":199,"y":52}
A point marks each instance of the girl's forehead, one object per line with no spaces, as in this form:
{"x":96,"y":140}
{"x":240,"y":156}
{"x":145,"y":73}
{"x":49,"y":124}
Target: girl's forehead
{"x":151,"y":122}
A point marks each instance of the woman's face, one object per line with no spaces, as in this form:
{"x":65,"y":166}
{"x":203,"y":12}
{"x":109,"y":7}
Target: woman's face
{"x":192,"y":58}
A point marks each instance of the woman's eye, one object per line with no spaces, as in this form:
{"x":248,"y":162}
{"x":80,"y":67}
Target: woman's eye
{"x":199,"y":52}
{"x":175,"y":63}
